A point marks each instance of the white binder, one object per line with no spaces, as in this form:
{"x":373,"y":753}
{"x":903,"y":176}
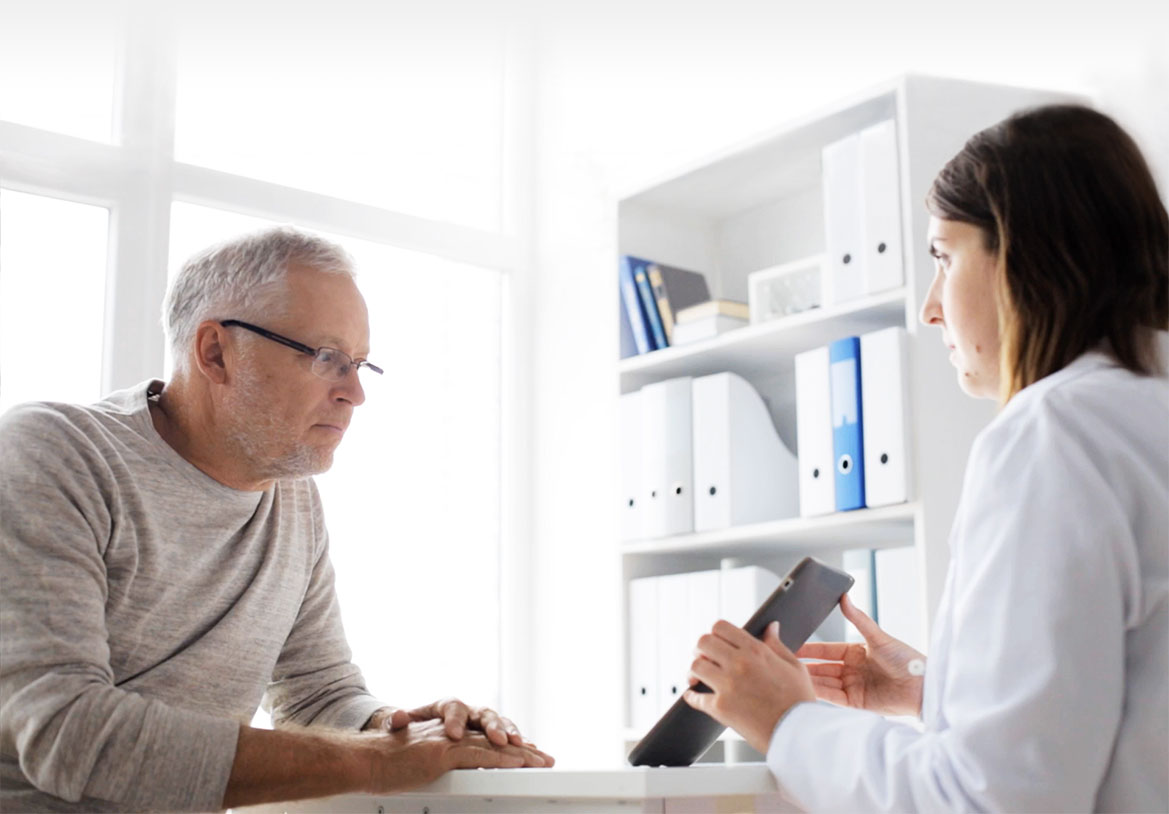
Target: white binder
{"x":629,"y":416}
{"x":667,"y":462}
{"x":881,"y":208}
{"x":743,"y":472}
{"x":885,"y":416}
{"x":843,"y":221}
{"x":814,"y":433}
{"x":675,"y":645}
{"x":900,"y":601}
{"x":705,"y":603}
{"x":643,"y":653}
{"x":743,"y":590}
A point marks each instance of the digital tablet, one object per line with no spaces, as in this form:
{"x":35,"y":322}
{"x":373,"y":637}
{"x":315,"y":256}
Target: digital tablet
{"x":800,"y":604}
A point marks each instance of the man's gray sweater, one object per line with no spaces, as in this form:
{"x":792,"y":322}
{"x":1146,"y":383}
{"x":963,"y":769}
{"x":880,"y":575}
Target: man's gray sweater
{"x":145,"y":608}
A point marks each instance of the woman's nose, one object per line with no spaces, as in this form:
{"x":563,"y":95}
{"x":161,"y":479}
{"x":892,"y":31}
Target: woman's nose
{"x":931,"y":308}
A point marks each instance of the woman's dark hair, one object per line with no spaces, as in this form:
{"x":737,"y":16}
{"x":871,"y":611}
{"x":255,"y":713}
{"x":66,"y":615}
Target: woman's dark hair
{"x":1066,"y":200}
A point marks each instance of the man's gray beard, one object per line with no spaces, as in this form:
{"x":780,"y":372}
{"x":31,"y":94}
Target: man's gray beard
{"x":255,"y":435}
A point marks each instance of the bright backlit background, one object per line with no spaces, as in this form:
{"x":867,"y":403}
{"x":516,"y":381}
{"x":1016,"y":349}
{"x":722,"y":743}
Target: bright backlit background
{"x":469,"y":156}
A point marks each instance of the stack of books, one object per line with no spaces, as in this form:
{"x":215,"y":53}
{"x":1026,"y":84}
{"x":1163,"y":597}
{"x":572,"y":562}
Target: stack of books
{"x":652,"y":294}
{"x":708,"y":319}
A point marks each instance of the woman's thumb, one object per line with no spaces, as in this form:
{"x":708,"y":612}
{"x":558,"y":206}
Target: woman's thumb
{"x":860,"y":620}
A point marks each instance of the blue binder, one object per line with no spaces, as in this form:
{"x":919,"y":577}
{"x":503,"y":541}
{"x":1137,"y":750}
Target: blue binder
{"x":634,"y":311}
{"x":649,"y":303}
{"x":844,"y":365}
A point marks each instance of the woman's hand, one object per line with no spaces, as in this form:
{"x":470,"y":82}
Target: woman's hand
{"x":752,"y":682}
{"x":878,"y":675}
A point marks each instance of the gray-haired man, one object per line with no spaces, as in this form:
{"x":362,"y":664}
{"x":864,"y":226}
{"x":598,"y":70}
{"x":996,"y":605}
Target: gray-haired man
{"x":165,"y":565}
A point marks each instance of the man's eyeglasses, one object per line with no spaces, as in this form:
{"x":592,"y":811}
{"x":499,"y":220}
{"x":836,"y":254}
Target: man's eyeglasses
{"x":328,"y":363}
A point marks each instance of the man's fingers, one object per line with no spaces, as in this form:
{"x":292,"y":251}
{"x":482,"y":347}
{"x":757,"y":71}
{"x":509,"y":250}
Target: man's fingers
{"x":454,"y":718}
{"x":481,"y":757}
{"x":513,"y":732}
{"x":399,"y":719}
{"x":492,"y":725}
{"x":549,"y":761}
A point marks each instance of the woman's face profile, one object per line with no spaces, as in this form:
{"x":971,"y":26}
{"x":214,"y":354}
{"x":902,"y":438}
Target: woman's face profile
{"x":961,"y":301}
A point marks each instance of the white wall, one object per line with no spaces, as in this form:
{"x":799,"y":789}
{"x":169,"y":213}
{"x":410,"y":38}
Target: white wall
{"x":626,"y":95}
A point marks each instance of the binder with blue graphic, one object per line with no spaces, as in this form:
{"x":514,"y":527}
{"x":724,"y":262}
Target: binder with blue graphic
{"x":844,"y":365}
{"x":634,"y":310}
{"x":649,"y":303}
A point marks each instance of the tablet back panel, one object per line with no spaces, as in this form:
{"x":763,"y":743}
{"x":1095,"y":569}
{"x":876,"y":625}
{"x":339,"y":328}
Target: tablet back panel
{"x":800,"y":604}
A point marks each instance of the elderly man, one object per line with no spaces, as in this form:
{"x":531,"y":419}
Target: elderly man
{"x":165,"y":565}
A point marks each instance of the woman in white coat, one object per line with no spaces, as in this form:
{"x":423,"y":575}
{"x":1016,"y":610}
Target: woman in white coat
{"x":1047,"y":683}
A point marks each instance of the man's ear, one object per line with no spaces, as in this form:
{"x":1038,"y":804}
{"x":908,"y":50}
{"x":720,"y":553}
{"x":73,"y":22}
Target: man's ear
{"x":210,"y":338}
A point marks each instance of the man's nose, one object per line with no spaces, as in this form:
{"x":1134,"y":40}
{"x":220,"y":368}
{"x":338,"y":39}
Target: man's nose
{"x":350,"y":388}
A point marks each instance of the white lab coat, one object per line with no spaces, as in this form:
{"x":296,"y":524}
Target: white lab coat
{"x":1047,"y":685}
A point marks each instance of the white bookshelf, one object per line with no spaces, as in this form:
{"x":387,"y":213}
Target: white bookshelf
{"x":758,"y":205}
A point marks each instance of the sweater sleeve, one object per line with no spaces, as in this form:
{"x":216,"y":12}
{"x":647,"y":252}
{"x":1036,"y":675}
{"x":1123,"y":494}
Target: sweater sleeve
{"x":1034,"y":685}
{"x":74,"y":734}
{"x":315,"y":681}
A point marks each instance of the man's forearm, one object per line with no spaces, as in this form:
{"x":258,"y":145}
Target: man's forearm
{"x":276,"y":765}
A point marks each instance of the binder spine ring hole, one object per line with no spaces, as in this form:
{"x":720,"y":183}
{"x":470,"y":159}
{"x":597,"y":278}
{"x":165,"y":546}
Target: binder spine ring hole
{"x":654,"y":493}
{"x":677,"y":489}
{"x":847,"y":259}
{"x":880,"y":248}
{"x":713,"y":490}
{"x":845,"y":464}
{"x":884,"y":457}
{"x":787,"y":583}
{"x":816,"y":472}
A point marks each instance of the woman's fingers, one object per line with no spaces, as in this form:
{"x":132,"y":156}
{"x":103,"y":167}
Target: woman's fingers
{"x":860,"y":620}
{"x":833,"y":651}
{"x":826,"y":669}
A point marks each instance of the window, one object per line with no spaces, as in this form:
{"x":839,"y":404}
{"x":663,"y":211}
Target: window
{"x":356,"y":104}
{"x":426,"y":442}
{"x":52,"y":295}
{"x":59,"y":77}
{"x":387,"y":135}
{"x":413,"y":498}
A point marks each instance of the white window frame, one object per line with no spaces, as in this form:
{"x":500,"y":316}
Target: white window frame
{"x":137,"y":178}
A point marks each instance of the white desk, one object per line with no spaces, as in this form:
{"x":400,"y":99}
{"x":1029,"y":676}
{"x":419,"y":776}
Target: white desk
{"x":714,"y":788}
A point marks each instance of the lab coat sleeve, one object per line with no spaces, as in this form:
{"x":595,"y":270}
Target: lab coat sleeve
{"x":1045,"y":577}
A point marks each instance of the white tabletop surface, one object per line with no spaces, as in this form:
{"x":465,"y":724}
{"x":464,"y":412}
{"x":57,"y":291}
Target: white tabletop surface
{"x":629,"y":782}
{"x":620,"y":783}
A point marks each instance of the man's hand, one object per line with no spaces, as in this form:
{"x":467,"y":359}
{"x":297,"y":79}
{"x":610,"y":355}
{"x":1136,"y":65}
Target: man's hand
{"x":880,"y":675}
{"x":753,"y":682}
{"x":456,"y":717}
{"x":420,"y":752}
{"x":301,"y":763}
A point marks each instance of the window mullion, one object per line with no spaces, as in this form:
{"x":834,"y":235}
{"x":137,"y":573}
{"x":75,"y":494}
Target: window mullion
{"x":140,"y":220}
